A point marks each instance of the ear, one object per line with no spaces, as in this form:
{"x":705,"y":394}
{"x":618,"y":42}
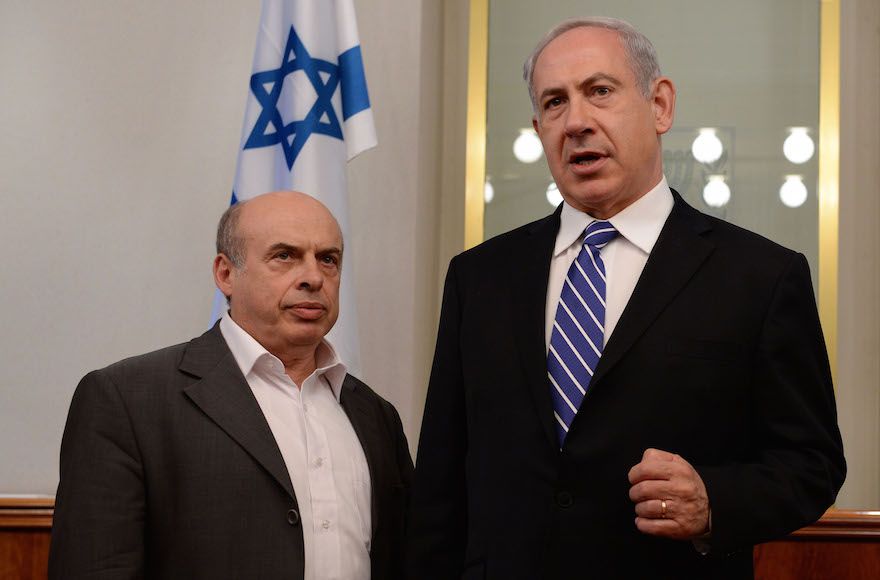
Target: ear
{"x":664,"y":104}
{"x":224,"y":274}
{"x":536,"y":125}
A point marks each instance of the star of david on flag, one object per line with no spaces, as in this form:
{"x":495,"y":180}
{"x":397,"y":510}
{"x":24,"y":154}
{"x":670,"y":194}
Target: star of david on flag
{"x":307,"y":114}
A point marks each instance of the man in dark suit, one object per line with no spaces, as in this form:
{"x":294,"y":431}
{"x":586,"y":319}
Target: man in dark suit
{"x":248,"y":452}
{"x":627,"y":388}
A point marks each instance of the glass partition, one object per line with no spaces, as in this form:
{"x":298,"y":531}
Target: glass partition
{"x":744,"y":143}
{"x":755,"y":138}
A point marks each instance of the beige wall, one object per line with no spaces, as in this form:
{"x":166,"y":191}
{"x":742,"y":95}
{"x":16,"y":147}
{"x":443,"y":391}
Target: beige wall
{"x":120,"y":123}
{"x":394,"y":191}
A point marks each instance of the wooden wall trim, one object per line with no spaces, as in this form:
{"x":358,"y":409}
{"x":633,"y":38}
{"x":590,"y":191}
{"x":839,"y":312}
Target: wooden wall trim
{"x":36,"y":512}
{"x":26,"y":512}
{"x":842,"y":525}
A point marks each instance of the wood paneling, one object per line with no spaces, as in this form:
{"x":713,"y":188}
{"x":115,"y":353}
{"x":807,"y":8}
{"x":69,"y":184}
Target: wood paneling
{"x":25,"y":529}
{"x":24,"y":554}
{"x":843,"y":545}
{"x":819,"y":559}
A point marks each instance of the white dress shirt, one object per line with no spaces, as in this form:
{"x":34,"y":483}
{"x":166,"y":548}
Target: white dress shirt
{"x":638,"y":227}
{"x":322,"y":452}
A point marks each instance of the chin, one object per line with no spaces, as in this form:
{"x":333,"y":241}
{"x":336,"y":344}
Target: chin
{"x":588,"y":202}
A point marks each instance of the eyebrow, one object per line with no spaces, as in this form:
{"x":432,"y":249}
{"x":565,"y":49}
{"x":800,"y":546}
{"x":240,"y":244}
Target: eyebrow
{"x":589,"y":81}
{"x":281,"y":247}
{"x":284,"y":247}
{"x":601,"y":77}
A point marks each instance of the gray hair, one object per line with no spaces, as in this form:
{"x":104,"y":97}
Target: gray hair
{"x":641,"y":53}
{"x":229,"y":242}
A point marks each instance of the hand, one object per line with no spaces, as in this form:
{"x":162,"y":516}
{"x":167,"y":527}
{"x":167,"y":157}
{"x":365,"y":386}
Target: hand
{"x":665,"y":477}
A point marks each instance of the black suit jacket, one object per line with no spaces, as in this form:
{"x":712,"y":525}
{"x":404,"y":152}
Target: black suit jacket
{"x":718,"y":357}
{"x":170,"y":470}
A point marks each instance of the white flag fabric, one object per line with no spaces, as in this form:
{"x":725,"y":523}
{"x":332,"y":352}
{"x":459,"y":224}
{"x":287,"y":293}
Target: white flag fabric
{"x":307,"y":114}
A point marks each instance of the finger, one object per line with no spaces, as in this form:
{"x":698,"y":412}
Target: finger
{"x":650,"y":489}
{"x":667,"y":528}
{"x":654,"y":509}
{"x":685,"y":525}
{"x":652,"y":468}
{"x":658,"y":454}
{"x":677,"y":487}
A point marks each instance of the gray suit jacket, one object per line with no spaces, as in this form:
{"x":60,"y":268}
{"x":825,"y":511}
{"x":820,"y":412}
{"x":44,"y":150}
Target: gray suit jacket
{"x":170,"y":470}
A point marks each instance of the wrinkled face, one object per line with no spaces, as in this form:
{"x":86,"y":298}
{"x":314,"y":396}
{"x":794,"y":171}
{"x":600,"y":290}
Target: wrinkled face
{"x":601,"y":136}
{"x":286,"y":295}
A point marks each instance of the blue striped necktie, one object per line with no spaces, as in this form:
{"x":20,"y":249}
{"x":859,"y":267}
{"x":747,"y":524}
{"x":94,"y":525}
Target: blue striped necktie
{"x":579,"y":328}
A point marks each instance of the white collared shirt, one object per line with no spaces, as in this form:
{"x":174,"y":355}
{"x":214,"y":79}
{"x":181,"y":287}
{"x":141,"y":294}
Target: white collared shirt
{"x":324,"y":457}
{"x":638,"y":227}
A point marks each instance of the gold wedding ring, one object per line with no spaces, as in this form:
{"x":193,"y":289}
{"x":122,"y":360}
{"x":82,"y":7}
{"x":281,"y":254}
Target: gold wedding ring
{"x":663,"y":509}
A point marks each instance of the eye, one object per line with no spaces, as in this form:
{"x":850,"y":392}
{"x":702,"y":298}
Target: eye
{"x":330,"y":259}
{"x":551,"y":103}
{"x":283,"y":255}
{"x":602,"y":91}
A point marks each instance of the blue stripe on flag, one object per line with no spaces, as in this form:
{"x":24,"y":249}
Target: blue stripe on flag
{"x":354,"y":83}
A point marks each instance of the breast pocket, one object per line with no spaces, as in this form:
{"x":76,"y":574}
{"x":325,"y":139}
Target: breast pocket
{"x":714,"y":350}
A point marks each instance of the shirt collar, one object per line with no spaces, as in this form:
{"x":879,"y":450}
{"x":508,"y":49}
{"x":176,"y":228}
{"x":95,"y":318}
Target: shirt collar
{"x":640,"y":222}
{"x":250,"y":354}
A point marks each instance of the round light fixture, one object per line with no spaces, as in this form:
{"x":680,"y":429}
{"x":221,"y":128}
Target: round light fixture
{"x":554,"y":198}
{"x":527,"y":147}
{"x":798,"y":146}
{"x":716,"y":193}
{"x":793,"y":192}
{"x":488,"y":192}
{"x":707,"y":147}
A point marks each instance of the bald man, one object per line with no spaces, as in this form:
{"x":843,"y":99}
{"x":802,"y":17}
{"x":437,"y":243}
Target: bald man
{"x":248,"y":452}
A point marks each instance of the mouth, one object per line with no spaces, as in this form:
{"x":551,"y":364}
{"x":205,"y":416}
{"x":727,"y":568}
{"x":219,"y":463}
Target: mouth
{"x":585,"y":159}
{"x":308,"y":310}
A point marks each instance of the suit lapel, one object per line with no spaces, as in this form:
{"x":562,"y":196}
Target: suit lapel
{"x":366,"y":427}
{"x":528,"y":281}
{"x":223,"y":394}
{"x":678,"y":253}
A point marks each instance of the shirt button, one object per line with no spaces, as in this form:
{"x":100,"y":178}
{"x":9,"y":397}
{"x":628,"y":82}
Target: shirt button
{"x":306,"y":407}
{"x":319,"y":461}
{"x":325,"y":524}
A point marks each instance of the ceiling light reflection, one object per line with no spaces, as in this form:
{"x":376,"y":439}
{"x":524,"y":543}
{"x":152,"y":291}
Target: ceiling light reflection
{"x":527,"y":147}
{"x":793,"y":192}
{"x":554,"y":198}
{"x":707,"y":147}
{"x":716,"y":193}
{"x":798,"y":146}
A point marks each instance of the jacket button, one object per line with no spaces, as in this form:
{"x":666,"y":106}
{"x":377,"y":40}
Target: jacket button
{"x":563,"y":499}
{"x":292,"y":517}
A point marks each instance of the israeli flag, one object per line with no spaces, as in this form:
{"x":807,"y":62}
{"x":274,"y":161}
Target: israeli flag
{"x":307,"y":114}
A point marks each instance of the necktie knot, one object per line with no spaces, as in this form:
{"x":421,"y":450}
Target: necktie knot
{"x":598,"y":234}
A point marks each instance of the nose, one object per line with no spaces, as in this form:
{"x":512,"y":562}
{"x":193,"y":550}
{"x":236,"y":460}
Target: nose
{"x":579,"y":118}
{"x":310,"y":275}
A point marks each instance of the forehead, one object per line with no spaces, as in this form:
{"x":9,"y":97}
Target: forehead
{"x":294,"y":220}
{"x":584,"y":50}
